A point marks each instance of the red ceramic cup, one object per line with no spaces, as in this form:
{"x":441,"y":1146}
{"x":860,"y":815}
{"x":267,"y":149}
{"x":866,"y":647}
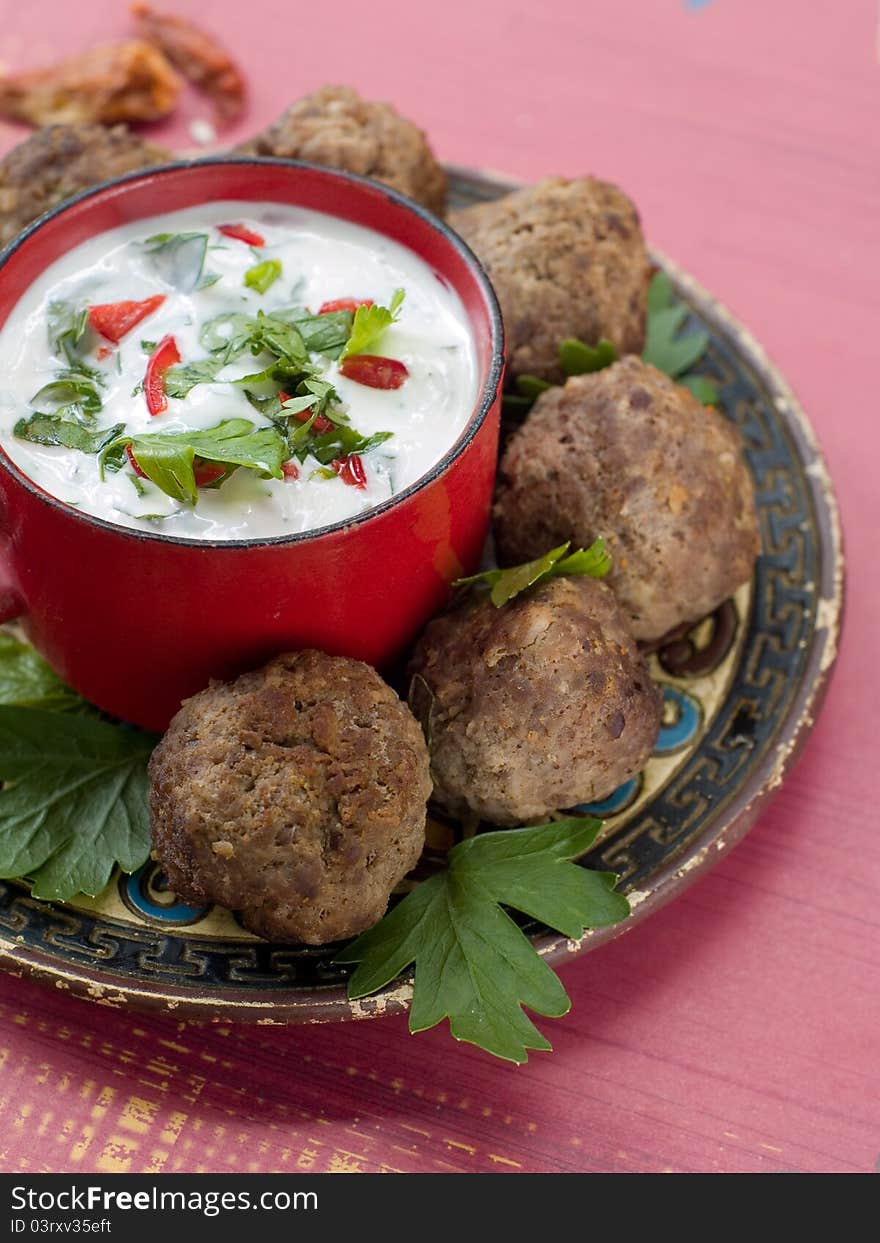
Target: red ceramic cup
{"x":137,"y":621}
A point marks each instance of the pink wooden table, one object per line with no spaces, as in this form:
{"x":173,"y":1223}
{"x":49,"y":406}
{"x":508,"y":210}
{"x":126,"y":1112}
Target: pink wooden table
{"x":738,"y":1029}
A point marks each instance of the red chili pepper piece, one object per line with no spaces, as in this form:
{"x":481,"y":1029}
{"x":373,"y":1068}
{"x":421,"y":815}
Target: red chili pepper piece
{"x":165,"y":355}
{"x":102,"y":352}
{"x":350,"y":470}
{"x":207,"y":472}
{"x":374,"y":371}
{"x":290,"y":470}
{"x":321,"y":423}
{"x":134,"y":466}
{"x":343,"y":304}
{"x":241,"y":233}
{"x":114,"y":319}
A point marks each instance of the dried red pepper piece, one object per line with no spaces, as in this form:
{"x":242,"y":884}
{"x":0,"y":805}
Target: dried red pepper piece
{"x":207,"y":472}
{"x":374,"y":371}
{"x":165,"y":355}
{"x":350,"y":470}
{"x":114,"y":320}
{"x":242,"y":233}
{"x":133,"y":461}
{"x":343,"y":304}
{"x":321,"y":424}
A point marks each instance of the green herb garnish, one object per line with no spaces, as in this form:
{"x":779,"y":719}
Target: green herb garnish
{"x":74,"y":394}
{"x":595,"y":562}
{"x":575,"y":358}
{"x":179,"y":381}
{"x":54,"y":430}
{"x":704,"y":389}
{"x":473,"y":965}
{"x":323,"y":334}
{"x":369,"y":324}
{"x":178,"y":258}
{"x":262,"y":276}
{"x":27,"y":681}
{"x":531,"y":386}
{"x":289,"y":335}
{"x":72,"y":390}
{"x":340,"y":442}
{"x":667,"y":347}
{"x":233,"y":332}
{"x":74,"y":800}
{"x":67,"y":325}
{"x":168,"y":457}
{"x":578,"y":358}
{"x":229,"y":332}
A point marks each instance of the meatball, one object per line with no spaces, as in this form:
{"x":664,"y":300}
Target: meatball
{"x":295,"y":795}
{"x":334,"y":126}
{"x":567,"y":259}
{"x":59,"y":161}
{"x":536,"y":706}
{"x":628,"y":454}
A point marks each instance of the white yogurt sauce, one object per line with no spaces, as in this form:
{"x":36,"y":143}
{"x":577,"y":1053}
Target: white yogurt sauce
{"x":323,"y":259}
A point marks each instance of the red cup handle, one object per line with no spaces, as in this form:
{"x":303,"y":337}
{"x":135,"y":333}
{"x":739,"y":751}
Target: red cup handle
{"x":11,"y":603}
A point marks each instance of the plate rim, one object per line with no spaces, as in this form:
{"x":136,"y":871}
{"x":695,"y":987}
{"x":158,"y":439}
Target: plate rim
{"x":330,"y":1003}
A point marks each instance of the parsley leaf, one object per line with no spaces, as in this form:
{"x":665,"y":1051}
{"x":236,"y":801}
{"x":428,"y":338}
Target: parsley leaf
{"x":179,"y":381}
{"x":51,"y":429}
{"x":74,"y":800}
{"x":340,"y":442}
{"x":473,"y":965}
{"x":369,"y":324}
{"x":594,"y":561}
{"x":577,"y":358}
{"x":168,"y":457}
{"x":72,"y":390}
{"x":667,"y":347}
{"x":262,"y":276}
{"x":27,"y":681}
{"x":282,"y":339}
{"x":323,"y":334}
{"x":531,"y":386}
{"x":704,"y":389}
{"x":178,"y":258}
{"x":67,"y":325}
{"x":234,"y":331}
{"x":230,"y":332}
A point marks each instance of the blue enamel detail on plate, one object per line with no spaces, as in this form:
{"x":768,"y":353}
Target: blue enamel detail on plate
{"x":614,"y":803}
{"x":682,"y":716}
{"x":141,"y":894}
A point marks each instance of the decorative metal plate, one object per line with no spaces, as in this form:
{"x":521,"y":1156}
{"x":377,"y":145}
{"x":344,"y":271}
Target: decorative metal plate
{"x":742,"y":692}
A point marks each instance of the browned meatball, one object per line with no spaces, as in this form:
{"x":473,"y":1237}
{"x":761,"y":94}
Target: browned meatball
{"x":536,"y":706}
{"x":295,"y":795}
{"x":567,"y":259}
{"x":628,"y":454}
{"x":334,"y":126}
{"x":59,"y":161}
